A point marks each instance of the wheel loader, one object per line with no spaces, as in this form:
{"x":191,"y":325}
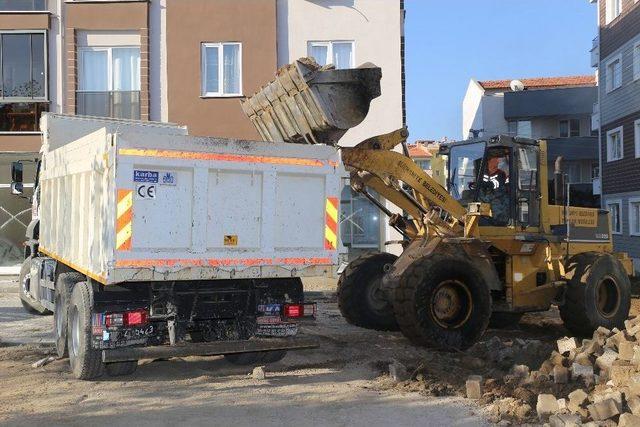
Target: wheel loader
{"x":488,"y":248}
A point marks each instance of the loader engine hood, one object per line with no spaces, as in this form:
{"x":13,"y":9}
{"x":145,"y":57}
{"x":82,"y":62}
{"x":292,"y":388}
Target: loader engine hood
{"x":310,"y":104}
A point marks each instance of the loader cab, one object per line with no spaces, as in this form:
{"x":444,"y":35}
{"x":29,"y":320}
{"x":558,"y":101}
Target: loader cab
{"x":501,"y":171}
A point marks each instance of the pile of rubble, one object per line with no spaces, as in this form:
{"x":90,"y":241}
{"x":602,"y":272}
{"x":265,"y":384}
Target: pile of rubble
{"x":596,"y":381}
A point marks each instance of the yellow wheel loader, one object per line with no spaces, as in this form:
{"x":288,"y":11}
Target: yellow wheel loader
{"x":489,"y":247}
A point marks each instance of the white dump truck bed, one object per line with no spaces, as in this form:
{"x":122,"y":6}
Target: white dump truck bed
{"x":140,"y":203}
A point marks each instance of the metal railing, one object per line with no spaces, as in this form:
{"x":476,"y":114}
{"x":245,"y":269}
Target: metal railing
{"x":115,"y":104}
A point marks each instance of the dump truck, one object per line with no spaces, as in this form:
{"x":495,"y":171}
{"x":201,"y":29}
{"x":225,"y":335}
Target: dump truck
{"x":488,"y":246}
{"x":148,"y":243}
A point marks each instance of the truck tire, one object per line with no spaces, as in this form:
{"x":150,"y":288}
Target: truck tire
{"x":598,"y":293}
{"x":86,"y":362}
{"x":64,"y":286}
{"x":29,"y":304}
{"x":118,"y":369}
{"x":502,"y":320}
{"x":441,"y":301}
{"x":360,"y":299}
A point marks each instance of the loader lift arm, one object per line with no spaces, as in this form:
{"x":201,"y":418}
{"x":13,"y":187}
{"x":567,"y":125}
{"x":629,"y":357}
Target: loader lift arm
{"x":373,"y":163}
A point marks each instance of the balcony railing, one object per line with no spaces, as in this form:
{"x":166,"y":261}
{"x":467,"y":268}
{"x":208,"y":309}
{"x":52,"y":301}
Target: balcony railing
{"x":115,"y":104}
{"x":23,"y":5}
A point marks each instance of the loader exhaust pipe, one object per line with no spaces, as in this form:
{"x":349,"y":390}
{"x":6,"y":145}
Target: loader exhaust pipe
{"x":558,"y":183}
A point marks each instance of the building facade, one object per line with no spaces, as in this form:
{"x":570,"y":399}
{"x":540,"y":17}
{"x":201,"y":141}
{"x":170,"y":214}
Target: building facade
{"x":188,"y":62}
{"x":557,"y":109}
{"x":616,"y":54}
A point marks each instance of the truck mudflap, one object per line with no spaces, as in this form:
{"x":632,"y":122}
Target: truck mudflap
{"x":208,"y":349}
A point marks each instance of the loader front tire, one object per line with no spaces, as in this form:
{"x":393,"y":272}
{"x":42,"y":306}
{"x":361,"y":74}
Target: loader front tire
{"x":86,"y":362}
{"x":441,"y":301}
{"x":598,"y":293}
{"x":360,"y":299}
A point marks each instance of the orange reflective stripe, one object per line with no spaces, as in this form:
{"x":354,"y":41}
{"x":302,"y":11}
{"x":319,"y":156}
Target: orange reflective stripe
{"x":331,"y":224}
{"x":192,"y":155}
{"x":219,"y":262}
{"x":124,"y":218}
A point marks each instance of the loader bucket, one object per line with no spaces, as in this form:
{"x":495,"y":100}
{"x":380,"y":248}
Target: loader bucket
{"x":310,"y":104}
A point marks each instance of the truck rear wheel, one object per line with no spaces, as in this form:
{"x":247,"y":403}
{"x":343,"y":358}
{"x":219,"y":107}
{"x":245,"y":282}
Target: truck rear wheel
{"x":360,"y":299}
{"x":64,"y":286}
{"x":598,"y":293}
{"x":86,"y":362}
{"x":441,"y":301}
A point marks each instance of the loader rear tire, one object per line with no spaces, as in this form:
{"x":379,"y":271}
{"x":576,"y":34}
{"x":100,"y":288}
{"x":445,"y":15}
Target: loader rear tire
{"x":598,"y":293}
{"x":360,"y":299}
{"x":64,"y":286}
{"x":441,"y":301}
{"x":86,"y":362}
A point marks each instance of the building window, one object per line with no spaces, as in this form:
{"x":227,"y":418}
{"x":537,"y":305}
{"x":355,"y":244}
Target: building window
{"x":22,"y":5}
{"x":221,"y":69}
{"x":569,"y":128}
{"x":634,"y":216}
{"x":23,"y":81}
{"x":520,"y":128}
{"x":614,"y":73}
{"x":425,"y":165}
{"x":615,"y":213}
{"x":338,"y":53}
{"x":109,"y":82}
{"x":615,"y":144}
{"x":636,"y":61}
{"x":613,"y":9}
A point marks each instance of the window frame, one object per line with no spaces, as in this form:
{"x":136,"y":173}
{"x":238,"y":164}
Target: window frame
{"x":329,"y":44}
{"x":609,"y":18}
{"x":569,"y":128}
{"x":109,"y":50}
{"x":618,"y":202}
{"x":632,"y":231}
{"x":203,"y":70}
{"x":44,"y":10}
{"x":636,"y":137}
{"x":619,"y":129}
{"x":15,"y":99}
{"x":617,"y":58}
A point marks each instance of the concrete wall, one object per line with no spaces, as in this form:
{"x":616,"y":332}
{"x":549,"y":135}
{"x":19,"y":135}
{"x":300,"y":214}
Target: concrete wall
{"x":472,"y":108}
{"x":374,"y":25}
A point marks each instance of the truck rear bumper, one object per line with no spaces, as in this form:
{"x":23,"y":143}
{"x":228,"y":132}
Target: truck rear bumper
{"x":208,"y":349}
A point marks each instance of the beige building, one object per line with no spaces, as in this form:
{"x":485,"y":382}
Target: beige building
{"x":188,"y":62}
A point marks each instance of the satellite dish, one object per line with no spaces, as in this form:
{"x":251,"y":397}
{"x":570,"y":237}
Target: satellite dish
{"x":517,"y":86}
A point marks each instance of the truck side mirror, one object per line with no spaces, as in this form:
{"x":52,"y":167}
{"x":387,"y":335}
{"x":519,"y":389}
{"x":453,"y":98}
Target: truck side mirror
{"x":16,"y":172}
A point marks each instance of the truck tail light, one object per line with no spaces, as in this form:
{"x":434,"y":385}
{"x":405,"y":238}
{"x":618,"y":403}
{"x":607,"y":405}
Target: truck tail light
{"x":128,"y":318}
{"x":135,"y":318}
{"x":299,"y":310}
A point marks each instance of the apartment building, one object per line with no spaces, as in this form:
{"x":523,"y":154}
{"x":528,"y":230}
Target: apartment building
{"x":616,"y":54}
{"x":188,"y":62}
{"x":557,"y":109}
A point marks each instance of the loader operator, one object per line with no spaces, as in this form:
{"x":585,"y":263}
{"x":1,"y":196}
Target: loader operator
{"x":494,"y":189}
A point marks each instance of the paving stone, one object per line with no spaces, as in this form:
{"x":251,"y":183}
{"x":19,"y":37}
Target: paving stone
{"x":604,"y":410}
{"x":628,"y":420}
{"x":520,"y":371}
{"x":564,"y":420}
{"x":578,"y":370}
{"x":560,"y":375}
{"x":566,"y":344}
{"x":474,"y":387}
{"x":398,"y":372}
{"x":547,"y":405}
{"x":633,"y":402}
{"x":621,"y":373}
{"x":626,"y":350}
{"x":258,"y":373}
{"x":606,"y":360}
